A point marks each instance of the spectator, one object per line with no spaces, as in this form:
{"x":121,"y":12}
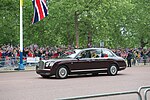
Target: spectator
{"x":53,"y":52}
{"x":134,"y":58}
{"x":138,"y":56}
{"x":30,"y":54}
{"x":0,"y":53}
{"x":144,"y":57}
{"x":129,"y":57}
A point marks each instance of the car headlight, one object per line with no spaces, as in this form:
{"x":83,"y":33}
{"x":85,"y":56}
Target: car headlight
{"x":49,"y":64}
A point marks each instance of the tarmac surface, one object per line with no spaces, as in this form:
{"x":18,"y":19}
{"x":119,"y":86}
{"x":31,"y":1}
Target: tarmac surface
{"x":27,"y":85}
{"x":12,"y":69}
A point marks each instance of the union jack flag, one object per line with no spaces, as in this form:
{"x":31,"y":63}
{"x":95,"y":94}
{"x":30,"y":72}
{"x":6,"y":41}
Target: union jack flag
{"x":40,"y":10}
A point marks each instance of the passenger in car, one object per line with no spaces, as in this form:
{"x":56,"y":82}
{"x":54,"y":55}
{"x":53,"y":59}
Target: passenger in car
{"x":88,"y":54}
{"x":94,"y":55}
{"x":82,"y":55}
{"x":104,"y":55}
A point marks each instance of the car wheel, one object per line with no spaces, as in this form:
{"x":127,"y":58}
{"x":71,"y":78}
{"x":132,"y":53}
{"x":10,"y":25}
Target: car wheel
{"x":62,"y":72}
{"x":45,"y":76}
{"x":112,"y":70}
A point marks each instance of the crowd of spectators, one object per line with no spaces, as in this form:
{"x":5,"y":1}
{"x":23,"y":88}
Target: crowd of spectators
{"x":134,"y":56}
{"x":9,"y":52}
{"x":12,"y":52}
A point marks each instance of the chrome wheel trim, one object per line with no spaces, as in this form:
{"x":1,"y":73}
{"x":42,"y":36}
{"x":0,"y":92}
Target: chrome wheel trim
{"x":63,"y":72}
{"x":113,"y":69}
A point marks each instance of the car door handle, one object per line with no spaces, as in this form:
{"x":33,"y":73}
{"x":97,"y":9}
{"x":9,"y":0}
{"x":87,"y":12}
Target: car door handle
{"x":71,"y":63}
{"x":93,"y":60}
{"x":89,"y":60}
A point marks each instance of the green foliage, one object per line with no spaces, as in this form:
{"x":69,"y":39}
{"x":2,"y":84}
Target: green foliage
{"x":9,"y":21}
{"x":119,"y":23}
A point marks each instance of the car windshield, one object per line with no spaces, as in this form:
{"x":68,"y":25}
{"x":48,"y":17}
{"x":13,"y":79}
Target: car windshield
{"x":64,"y":56}
{"x":69,"y":55}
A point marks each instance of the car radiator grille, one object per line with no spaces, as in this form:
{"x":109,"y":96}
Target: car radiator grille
{"x":41,"y":65}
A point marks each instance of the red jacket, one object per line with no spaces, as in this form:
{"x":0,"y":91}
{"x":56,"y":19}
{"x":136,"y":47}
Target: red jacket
{"x":0,"y":54}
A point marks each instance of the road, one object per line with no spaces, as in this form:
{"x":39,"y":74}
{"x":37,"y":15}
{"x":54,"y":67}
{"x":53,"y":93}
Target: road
{"x":27,"y":85}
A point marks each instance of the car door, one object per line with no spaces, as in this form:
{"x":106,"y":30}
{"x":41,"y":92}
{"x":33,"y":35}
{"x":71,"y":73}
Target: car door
{"x":104,"y":60}
{"x":99,"y":62}
{"x":83,"y":61}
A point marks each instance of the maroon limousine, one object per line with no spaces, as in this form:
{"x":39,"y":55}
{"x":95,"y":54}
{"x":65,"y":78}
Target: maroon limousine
{"x":90,"y":60}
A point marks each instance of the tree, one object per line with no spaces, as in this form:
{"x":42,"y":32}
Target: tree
{"x":119,"y":23}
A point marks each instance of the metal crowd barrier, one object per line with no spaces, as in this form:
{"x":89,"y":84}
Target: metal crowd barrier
{"x":8,"y":62}
{"x":145,"y":93}
{"x":146,"y":88}
{"x":103,"y":95}
{"x":14,"y":61}
{"x":112,"y":94}
{"x":143,"y":87}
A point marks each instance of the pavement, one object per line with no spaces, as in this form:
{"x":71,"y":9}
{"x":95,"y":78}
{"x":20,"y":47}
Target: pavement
{"x":33,"y":67}
{"x":12,"y":69}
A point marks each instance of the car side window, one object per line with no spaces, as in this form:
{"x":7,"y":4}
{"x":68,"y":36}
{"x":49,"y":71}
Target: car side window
{"x":107,"y":53}
{"x":94,"y":54}
{"x":89,"y":54}
{"x":85,"y":54}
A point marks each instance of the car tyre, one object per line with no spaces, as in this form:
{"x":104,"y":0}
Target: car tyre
{"x":62,"y":72}
{"x":112,"y":70}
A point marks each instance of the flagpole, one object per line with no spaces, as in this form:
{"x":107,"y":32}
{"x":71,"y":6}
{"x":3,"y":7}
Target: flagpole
{"x":21,"y":66}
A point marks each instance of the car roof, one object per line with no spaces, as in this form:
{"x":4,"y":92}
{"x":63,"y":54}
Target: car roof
{"x":77,"y":51}
{"x":94,"y":49}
